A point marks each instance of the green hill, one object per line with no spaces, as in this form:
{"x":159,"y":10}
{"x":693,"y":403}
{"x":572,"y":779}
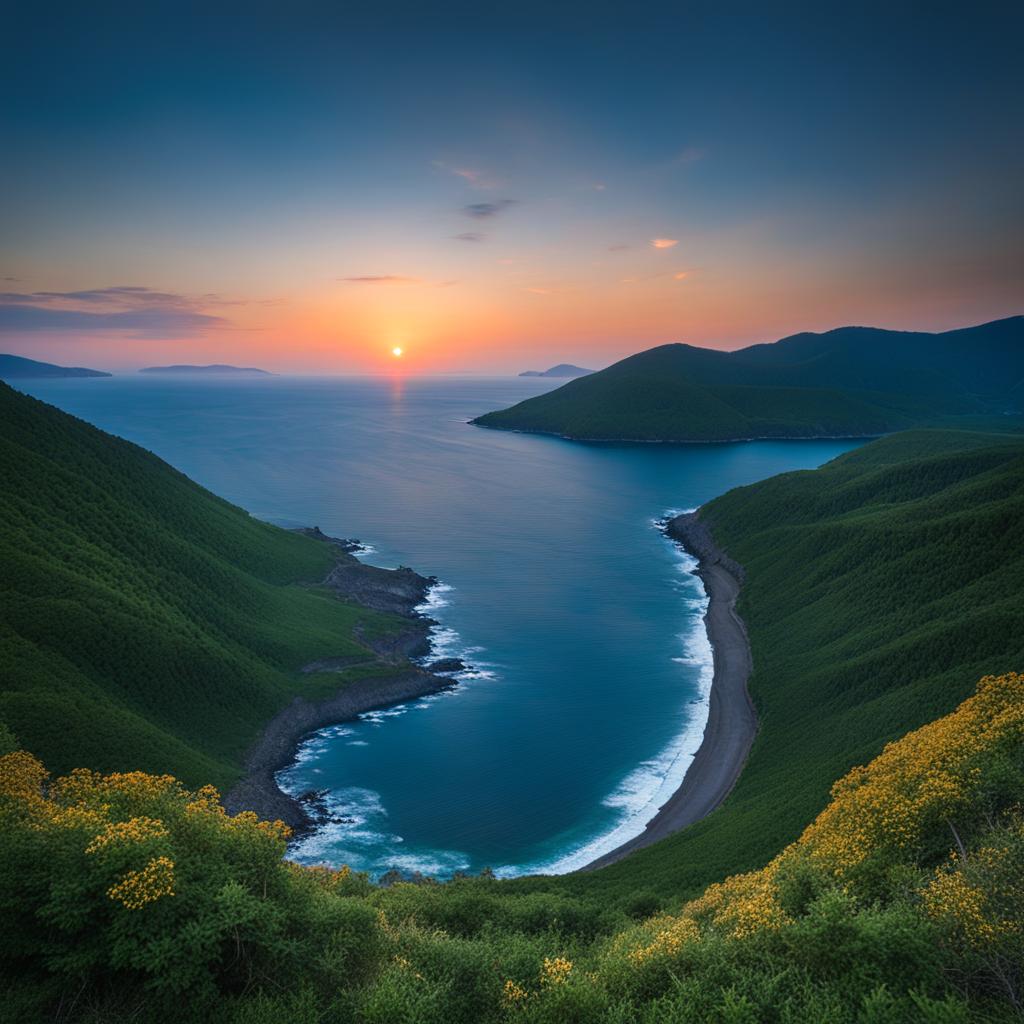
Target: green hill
{"x":878,"y":588}
{"x":14,"y":367}
{"x":852,"y":381}
{"x":144,"y":622}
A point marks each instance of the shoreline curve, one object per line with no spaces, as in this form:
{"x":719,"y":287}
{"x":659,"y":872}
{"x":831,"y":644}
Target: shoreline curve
{"x":732,"y":721}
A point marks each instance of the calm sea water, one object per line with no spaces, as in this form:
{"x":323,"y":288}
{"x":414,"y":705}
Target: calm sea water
{"x":591,"y":668}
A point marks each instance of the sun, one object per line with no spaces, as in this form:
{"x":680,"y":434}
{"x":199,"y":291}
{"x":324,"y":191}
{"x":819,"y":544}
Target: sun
{"x":397,"y":351}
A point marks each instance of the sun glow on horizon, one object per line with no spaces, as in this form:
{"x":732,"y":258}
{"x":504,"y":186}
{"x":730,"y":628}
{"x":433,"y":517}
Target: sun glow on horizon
{"x":397,"y":351}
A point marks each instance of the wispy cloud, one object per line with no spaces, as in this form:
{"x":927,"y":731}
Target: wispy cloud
{"x":381,"y":279}
{"x":470,"y":236}
{"x":471,"y":175}
{"x":400,"y":279}
{"x":144,"y":312}
{"x":148,"y":323}
{"x":619,"y":248}
{"x":690,"y":155}
{"x":481,"y":211}
{"x":681,"y":275}
{"x":664,"y":243}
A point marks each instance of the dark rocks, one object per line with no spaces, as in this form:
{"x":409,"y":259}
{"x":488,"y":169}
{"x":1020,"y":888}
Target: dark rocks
{"x":347,"y":545}
{"x":694,"y":534}
{"x":446,"y":665}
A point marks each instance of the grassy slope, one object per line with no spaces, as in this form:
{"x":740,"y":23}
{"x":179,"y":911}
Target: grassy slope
{"x":144,"y":622}
{"x":879,"y":587}
{"x":848,"y":382}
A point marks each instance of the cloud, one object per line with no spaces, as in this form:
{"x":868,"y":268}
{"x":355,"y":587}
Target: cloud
{"x":664,"y":243}
{"x":681,"y":275}
{"x":690,"y":155}
{"x":470,"y":236}
{"x":148,"y":323}
{"x":539,"y":291}
{"x":144,"y":312}
{"x":480,"y":211}
{"x":619,"y":248}
{"x":470,"y":175}
{"x":381,"y":279}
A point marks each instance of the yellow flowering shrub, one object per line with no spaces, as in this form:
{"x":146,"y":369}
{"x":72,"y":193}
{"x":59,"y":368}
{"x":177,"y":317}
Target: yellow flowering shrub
{"x":513,"y":994}
{"x":913,"y":791}
{"x":555,"y":970}
{"x":926,"y":777}
{"x":138,"y":888}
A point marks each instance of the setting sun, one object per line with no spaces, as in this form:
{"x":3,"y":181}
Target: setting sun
{"x":396,"y":352}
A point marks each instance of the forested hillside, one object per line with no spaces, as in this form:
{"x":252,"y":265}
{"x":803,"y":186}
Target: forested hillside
{"x":144,"y":622}
{"x":853,"y":381}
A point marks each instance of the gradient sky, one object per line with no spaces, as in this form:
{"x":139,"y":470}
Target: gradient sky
{"x":496,"y":189}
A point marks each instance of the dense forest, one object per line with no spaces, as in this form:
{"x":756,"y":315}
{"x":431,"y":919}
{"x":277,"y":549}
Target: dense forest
{"x":853,"y":381}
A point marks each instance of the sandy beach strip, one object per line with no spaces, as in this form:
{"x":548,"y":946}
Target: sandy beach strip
{"x":732,"y":721}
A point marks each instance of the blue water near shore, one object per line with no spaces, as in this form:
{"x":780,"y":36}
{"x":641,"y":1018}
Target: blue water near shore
{"x":583,"y":624}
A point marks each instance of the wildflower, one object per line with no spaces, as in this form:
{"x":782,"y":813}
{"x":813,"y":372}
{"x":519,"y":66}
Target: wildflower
{"x":138,"y":888}
{"x":513,"y":993}
{"x":555,"y":970}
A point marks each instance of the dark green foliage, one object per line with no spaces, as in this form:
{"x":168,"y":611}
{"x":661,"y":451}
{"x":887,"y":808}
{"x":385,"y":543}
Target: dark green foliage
{"x":853,"y":381}
{"x":144,"y":622}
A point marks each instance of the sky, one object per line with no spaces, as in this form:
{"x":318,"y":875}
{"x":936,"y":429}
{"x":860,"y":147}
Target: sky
{"x":306,"y":187}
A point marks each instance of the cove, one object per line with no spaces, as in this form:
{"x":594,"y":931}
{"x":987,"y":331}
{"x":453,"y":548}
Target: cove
{"x":581,"y":622}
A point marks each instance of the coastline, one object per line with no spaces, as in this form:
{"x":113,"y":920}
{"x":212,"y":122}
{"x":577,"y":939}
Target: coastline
{"x":732,"y":721}
{"x":691,"y":440}
{"x":401,"y":592}
{"x":275,"y":749}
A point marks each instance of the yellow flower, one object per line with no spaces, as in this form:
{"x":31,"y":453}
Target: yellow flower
{"x":138,"y":888}
{"x":555,"y":970}
{"x":513,"y":993}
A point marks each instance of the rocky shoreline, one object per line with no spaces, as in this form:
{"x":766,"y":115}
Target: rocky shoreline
{"x":732,"y":720}
{"x":398,"y":591}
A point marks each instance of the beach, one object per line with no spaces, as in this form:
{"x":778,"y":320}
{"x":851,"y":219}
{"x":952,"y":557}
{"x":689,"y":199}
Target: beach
{"x":732,"y":721}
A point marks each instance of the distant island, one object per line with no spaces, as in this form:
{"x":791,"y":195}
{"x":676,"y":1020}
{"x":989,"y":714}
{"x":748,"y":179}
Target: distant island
{"x":848,"y":382}
{"x":19,"y":368}
{"x":216,"y":368}
{"x":561,"y":370}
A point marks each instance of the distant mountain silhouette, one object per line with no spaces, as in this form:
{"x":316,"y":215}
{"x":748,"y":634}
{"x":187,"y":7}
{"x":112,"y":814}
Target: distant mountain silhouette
{"x":561,"y":370}
{"x":845,"y":382}
{"x":17,"y":367}
{"x":216,"y":368}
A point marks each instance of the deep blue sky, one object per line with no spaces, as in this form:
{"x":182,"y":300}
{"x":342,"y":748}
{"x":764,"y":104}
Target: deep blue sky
{"x":314,"y":183}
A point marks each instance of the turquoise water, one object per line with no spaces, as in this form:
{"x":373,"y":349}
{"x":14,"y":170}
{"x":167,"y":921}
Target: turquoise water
{"x":582,"y":624}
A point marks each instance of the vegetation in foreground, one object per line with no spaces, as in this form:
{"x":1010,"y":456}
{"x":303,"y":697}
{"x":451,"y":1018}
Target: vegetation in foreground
{"x":128,"y":897}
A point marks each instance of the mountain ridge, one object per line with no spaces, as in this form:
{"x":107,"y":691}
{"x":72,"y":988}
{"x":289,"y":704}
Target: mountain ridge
{"x":19,"y":368}
{"x":851,"y":381}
